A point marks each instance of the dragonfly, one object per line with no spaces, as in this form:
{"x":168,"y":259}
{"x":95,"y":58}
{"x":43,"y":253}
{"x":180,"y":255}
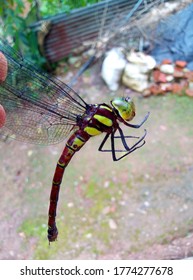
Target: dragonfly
{"x":43,"y":110}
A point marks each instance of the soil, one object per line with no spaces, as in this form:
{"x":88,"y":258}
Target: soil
{"x":138,"y":208}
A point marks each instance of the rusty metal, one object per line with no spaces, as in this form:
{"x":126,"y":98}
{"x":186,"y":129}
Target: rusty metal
{"x":67,"y":32}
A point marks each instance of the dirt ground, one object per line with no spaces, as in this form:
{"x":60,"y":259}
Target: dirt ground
{"x":138,"y":208}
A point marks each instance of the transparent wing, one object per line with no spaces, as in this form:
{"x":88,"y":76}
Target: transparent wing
{"x":39,"y":109}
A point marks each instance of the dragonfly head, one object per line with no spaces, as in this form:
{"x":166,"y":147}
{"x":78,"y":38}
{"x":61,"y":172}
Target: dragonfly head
{"x":124,"y":107}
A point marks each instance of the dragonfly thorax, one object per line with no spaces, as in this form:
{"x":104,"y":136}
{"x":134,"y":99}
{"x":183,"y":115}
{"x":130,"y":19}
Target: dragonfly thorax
{"x":124,"y":107}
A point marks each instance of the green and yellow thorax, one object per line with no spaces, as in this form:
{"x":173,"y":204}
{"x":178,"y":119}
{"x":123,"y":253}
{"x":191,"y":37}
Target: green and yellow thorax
{"x":101,"y":118}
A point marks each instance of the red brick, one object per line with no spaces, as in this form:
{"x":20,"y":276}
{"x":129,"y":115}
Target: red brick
{"x":189,"y":92}
{"x":184,"y":83}
{"x":159,"y":77}
{"x":162,"y":78}
{"x":154,"y":89}
{"x":166,"y":61}
{"x":181,"y":63}
{"x":155,"y":75}
{"x":165,"y":87}
{"x":177,"y":88}
{"x":178,"y":74}
{"x":178,"y":69}
{"x":189,"y":75}
{"x":147,"y":92}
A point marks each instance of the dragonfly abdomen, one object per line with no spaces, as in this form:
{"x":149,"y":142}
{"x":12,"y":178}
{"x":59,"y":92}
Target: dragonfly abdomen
{"x":99,"y":119}
{"x":74,"y":144}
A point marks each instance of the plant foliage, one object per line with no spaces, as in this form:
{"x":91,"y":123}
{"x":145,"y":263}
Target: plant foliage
{"x":16,"y":17}
{"x":49,"y":7}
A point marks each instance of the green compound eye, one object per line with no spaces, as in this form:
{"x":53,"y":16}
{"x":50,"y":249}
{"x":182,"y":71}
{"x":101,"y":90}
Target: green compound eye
{"x":125,"y":107}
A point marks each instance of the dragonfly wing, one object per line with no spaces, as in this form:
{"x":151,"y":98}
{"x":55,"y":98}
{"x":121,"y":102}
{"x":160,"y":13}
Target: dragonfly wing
{"x":28,"y":123}
{"x":39,"y":109}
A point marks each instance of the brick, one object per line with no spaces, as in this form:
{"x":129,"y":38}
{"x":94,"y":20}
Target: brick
{"x":156,"y":74}
{"x":189,"y":92}
{"x":189,"y":75}
{"x":154,"y":89}
{"x":147,"y":92}
{"x":184,"y":83}
{"x":165,"y":87}
{"x":177,"y":88}
{"x":159,"y":77}
{"x":178,"y":74}
{"x":166,"y":61}
{"x":181,"y":63}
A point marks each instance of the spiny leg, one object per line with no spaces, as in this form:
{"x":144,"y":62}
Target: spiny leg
{"x":112,"y":150}
{"x":137,"y":125}
{"x":103,"y":142}
{"x":132,"y":149}
{"x":123,"y":137}
{"x":117,"y":137}
{"x":129,"y":149}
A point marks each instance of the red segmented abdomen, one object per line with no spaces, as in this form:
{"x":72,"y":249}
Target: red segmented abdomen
{"x":98,"y":119}
{"x":74,"y":144}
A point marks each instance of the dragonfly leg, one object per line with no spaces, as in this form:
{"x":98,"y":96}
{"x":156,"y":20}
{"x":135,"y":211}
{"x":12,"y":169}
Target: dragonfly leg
{"x":137,"y":125}
{"x":113,"y":147}
{"x":123,"y":137}
{"x":129,"y":150}
{"x":103,"y":142}
{"x":110,"y":150}
{"x":113,"y":150}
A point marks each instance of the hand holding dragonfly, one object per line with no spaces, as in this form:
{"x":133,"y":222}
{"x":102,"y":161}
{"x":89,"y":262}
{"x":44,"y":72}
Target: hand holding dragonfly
{"x":42,"y":110}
